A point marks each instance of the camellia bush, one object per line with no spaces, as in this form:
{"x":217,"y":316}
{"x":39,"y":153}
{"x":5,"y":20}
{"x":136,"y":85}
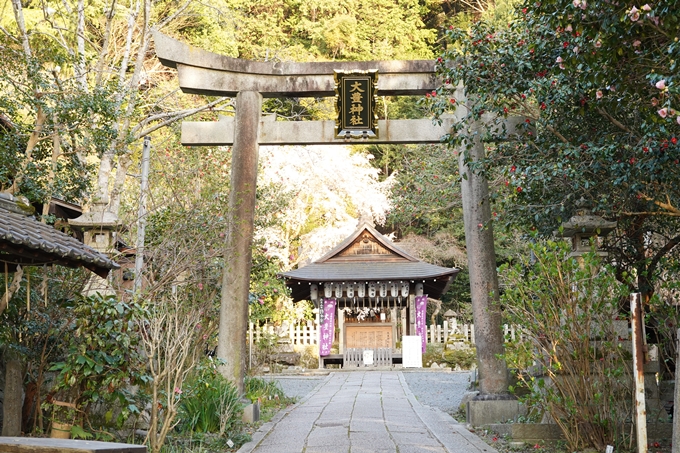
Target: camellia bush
{"x":597,"y":87}
{"x":572,"y":361}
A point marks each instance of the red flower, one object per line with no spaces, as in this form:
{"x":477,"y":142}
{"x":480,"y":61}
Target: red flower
{"x":519,"y":190}
{"x":645,"y":149}
{"x":674,"y":140}
{"x":512,"y":169}
{"x":565,"y":44}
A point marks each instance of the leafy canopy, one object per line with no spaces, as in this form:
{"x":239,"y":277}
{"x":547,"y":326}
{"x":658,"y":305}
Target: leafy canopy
{"x":597,"y":84}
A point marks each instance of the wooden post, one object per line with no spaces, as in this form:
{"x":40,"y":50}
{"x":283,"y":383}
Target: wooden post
{"x":13,"y":399}
{"x":250,"y":345}
{"x":341,"y":328}
{"x":393,"y":319}
{"x":318,"y":333}
{"x":676,"y":397}
{"x":638,"y":372}
{"x":231,"y":344}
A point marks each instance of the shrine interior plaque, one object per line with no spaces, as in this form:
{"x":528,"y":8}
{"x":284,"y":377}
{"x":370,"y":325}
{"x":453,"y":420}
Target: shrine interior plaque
{"x":373,"y":335}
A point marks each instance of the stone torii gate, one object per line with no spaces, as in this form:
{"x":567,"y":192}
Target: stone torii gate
{"x":202,"y":72}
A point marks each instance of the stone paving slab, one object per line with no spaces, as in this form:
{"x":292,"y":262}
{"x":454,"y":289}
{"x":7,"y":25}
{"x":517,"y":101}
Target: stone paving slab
{"x":362,"y":412}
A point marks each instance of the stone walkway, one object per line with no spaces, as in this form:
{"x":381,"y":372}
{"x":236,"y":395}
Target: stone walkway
{"x":363,"y":412}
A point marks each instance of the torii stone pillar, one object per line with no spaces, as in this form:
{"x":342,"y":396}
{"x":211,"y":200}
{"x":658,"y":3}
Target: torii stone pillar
{"x":493,"y":403}
{"x":206,"y":73}
{"x":493,"y":376}
{"x":231,"y":344}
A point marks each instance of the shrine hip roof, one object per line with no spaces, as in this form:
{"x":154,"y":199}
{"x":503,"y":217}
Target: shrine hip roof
{"x":367,"y":256}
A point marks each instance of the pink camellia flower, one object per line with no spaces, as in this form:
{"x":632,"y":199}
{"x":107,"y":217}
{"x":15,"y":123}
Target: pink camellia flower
{"x":559,"y":60}
{"x":568,"y":28}
{"x":661,"y":84}
{"x":655,"y":102}
{"x":678,"y":120}
{"x":576,"y":3}
{"x":598,"y":44}
{"x":178,"y":390}
{"x":663,"y":113}
{"x":646,"y":7}
{"x":583,"y":4}
{"x":576,"y":49}
{"x":637,"y":43}
{"x":599,"y":94}
{"x":634,"y":14}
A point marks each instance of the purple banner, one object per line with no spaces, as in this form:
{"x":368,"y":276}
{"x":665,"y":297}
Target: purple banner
{"x":421,"y":319}
{"x":327,"y":329}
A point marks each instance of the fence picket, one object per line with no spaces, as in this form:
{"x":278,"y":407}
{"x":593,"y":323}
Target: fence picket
{"x":307,"y":334}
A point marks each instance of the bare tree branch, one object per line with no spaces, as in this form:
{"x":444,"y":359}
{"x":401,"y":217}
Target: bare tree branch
{"x":172,"y":117}
{"x":613,"y":120}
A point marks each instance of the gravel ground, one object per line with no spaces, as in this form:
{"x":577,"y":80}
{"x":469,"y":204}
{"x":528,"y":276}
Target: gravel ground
{"x":443,"y":390}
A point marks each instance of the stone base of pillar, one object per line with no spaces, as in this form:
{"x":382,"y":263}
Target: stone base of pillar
{"x":251,"y":413}
{"x":490,"y":411}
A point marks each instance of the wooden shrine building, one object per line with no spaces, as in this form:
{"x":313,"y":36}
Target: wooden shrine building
{"x":374,"y":284}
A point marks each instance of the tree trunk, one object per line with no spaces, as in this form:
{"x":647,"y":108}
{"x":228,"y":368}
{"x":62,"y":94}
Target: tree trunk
{"x":13,"y":404}
{"x":231,"y":346}
{"x":11,"y":289}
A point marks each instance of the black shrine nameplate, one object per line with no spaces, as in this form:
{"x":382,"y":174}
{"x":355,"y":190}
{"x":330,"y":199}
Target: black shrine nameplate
{"x":356,"y":93}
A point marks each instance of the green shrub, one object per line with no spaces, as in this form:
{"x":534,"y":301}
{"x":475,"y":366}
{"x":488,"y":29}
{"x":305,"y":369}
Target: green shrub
{"x":568,"y":356}
{"x":464,"y":358}
{"x":309,"y":356}
{"x":210,"y":403}
{"x":258,"y":389}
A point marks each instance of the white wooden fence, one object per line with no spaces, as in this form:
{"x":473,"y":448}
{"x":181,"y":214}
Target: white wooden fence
{"x":306,"y":334}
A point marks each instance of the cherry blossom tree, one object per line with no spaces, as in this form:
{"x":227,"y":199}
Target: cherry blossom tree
{"x":330,"y":187}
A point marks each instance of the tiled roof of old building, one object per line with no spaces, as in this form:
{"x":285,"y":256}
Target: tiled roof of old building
{"x":28,"y":242}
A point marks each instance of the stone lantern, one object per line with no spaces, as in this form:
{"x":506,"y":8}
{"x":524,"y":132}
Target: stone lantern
{"x":99,"y":227}
{"x":584,"y":227}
